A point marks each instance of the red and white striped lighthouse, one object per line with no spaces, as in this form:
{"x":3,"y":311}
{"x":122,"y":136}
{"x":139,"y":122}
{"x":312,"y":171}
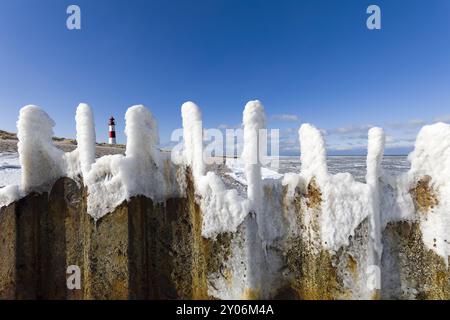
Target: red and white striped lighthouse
{"x":112,"y":131}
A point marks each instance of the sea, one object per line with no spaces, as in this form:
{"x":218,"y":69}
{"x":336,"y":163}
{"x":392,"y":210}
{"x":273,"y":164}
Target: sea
{"x":356,"y":165}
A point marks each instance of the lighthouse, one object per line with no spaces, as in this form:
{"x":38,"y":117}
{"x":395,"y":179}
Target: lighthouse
{"x":112,"y":131}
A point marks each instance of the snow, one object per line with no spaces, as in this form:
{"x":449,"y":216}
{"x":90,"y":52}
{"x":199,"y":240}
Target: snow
{"x":431,"y":157}
{"x":9,"y":194}
{"x":291,"y":181}
{"x":193,"y":137}
{"x":223,"y":210}
{"x":345,"y":202}
{"x":253,"y":121}
{"x":342,"y":206}
{"x":238,"y":173}
{"x":85,"y":137}
{"x":79,"y":161}
{"x":116,"y":178}
{"x":10,"y":170}
{"x":313,"y":153}
{"x":375,"y":151}
{"x":396,"y":203}
{"x":42,"y":163}
{"x":10,"y":173}
{"x":254,"y":262}
{"x":261,"y":221}
{"x":142,"y":133}
{"x":144,"y":170}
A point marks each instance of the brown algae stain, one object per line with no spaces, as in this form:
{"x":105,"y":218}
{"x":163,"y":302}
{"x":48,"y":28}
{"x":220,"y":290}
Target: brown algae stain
{"x":424,"y":196}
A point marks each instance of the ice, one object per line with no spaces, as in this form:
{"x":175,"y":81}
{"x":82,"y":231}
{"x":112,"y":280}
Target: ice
{"x":193,"y":137}
{"x":237,"y":171}
{"x":10,"y":173}
{"x":85,"y":137}
{"x":79,"y":161}
{"x":356,"y":165}
{"x":345,"y":202}
{"x":377,"y":189}
{"x":375,"y":151}
{"x":143,"y":170}
{"x":254,"y":120}
{"x":313,"y":153}
{"x":9,"y":194}
{"x":42,"y":163}
{"x":10,"y":170}
{"x":223,"y":209}
{"x":431,"y":157}
{"x":116,"y":178}
{"x":142,"y":133}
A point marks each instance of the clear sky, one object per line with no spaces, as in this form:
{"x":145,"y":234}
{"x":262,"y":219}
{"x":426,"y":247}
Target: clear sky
{"x":307,"y":61}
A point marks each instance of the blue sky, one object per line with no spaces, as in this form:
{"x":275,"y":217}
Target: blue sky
{"x":307,"y":61}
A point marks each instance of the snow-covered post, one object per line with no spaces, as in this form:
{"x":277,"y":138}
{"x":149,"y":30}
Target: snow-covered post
{"x":142,"y":133}
{"x":254,"y":120}
{"x":375,"y":151}
{"x":193,"y":138}
{"x":42,"y":163}
{"x":417,"y":248}
{"x":430,"y":166}
{"x":313,"y":153}
{"x":85,"y":137}
{"x":431,"y":154}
